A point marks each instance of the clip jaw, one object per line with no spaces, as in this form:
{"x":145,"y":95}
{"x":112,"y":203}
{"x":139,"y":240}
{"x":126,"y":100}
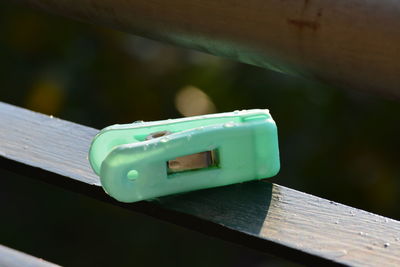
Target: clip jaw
{"x":147,"y":160}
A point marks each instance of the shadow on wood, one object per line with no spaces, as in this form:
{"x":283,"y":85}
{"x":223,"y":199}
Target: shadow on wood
{"x":227,"y":204}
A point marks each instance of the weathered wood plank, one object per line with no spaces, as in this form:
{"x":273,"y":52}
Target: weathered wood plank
{"x":26,"y":137}
{"x":347,"y":42}
{"x":13,"y":258}
{"x":259,"y":214}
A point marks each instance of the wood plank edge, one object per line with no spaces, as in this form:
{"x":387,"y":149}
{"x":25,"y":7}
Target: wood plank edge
{"x":153,"y":209}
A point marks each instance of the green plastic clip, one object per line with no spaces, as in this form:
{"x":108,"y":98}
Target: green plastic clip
{"x":145,"y":160}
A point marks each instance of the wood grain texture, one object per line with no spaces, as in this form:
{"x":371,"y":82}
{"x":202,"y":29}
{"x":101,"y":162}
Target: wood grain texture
{"x":352,"y":43}
{"x":13,"y":258}
{"x":28,"y":137}
{"x":278,"y":219}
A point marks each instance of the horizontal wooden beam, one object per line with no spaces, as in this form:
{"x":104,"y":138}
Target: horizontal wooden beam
{"x":13,"y":258}
{"x":352,"y":43}
{"x":259,"y":214}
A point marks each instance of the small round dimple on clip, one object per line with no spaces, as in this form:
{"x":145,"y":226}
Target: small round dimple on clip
{"x":132,"y":175}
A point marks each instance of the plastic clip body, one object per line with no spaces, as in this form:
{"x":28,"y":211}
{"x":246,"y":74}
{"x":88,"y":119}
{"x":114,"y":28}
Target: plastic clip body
{"x":145,"y":160}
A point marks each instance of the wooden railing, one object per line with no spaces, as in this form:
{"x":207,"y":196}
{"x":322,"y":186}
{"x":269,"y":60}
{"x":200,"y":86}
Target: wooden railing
{"x":261,"y":215}
{"x":348,"y":42}
{"x":352,"y":43}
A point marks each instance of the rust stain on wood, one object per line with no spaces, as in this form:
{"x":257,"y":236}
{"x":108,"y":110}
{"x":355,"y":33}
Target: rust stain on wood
{"x":304,"y":24}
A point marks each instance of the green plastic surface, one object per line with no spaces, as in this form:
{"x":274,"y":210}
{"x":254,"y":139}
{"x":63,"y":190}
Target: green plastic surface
{"x":132,"y":168}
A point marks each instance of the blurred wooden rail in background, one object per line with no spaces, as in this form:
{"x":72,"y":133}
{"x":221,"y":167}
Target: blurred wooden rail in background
{"x":260,"y":215}
{"x":351,"y":43}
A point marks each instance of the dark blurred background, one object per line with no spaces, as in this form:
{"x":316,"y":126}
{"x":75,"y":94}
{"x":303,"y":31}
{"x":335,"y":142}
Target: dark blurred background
{"x":335,"y":143}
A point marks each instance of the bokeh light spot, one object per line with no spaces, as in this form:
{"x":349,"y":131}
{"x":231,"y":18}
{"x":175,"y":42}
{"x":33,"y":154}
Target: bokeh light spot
{"x":46,"y":96}
{"x":191,"y":101}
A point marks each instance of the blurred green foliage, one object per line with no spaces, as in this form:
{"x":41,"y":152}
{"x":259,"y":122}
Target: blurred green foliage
{"x":335,"y":143}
